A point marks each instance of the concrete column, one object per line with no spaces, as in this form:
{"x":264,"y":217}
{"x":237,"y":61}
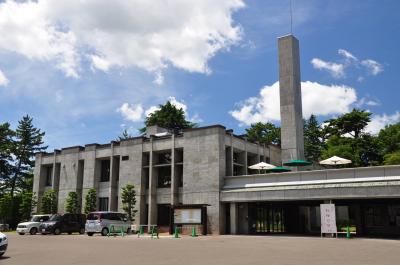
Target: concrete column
{"x":234,"y":218}
{"x":38,"y":180}
{"x":174,"y":180}
{"x":53,"y":171}
{"x":152,"y":217}
{"x":113,"y":182}
{"x":290,"y":99}
{"x":231,"y":153}
{"x":246,"y":170}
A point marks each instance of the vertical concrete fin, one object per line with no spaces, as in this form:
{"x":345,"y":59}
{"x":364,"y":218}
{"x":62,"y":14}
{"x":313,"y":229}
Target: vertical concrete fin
{"x":292,"y":138}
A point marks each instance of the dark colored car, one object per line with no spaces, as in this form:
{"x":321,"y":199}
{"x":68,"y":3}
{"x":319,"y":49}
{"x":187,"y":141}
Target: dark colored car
{"x":67,"y":223}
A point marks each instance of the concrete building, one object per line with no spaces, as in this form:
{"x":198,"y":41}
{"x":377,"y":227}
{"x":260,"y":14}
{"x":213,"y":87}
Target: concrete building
{"x":206,"y":168}
{"x":166,"y":169}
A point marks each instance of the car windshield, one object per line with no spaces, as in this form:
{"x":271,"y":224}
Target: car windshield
{"x":55,"y":217}
{"x":36,"y":218}
{"x":93,"y":216}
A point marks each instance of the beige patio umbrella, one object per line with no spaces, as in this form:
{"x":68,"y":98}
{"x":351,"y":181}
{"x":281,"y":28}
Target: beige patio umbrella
{"x":262,"y":166}
{"x":335,"y":160}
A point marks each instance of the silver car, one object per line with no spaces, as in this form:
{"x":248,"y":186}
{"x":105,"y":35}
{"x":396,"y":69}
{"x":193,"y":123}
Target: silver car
{"x":105,"y":222}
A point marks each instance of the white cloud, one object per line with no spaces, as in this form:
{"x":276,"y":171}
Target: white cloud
{"x":350,"y":62}
{"x":132,"y":113}
{"x":147,"y":34}
{"x":335,"y":69}
{"x":317,"y":99}
{"x":379,"y":122}
{"x":99,"y":63}
{"x":372,"y":66}
{"x":3,"y":79}
{"x":347,"y":54}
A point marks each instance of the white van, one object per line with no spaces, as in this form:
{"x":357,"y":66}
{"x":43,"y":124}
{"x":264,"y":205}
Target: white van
{"x":32,"y":226}
{"x":101,"y":222}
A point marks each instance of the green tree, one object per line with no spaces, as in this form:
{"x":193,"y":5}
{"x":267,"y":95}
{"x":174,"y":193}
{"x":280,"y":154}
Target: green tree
{"x":6,"y":147}
{"x":389,"y":139}
{"x":91,"y":201}
{"x":124,"y":136}
{"x":128,"y":197}
{"x":72,"y":203}
{"x":265,"y":133}
{"x":313,"y":139}
{"x":29,"y":140}
{"x":347,"y":138}
{"x":28,"y":202}
{"x":169,"y":117}
{"x":6,"y":208}
{"x":352,"y":123}
{"x":392,"y":158}
{"x":49,"y":202}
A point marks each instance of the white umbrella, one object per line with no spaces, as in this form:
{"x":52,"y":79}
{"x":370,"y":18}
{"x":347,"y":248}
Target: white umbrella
{"x":335,"y":160}
{"x":261,"y":166}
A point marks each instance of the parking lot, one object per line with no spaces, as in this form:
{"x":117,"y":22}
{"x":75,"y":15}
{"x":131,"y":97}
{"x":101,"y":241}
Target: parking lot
{"x":98,"y":250}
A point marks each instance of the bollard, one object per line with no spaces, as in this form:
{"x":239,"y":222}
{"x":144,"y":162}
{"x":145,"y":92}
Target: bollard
{"x":194,"y":234}
{"x":348,"y":232}
{"x":141,"y":231}
{"x":176,"y":232}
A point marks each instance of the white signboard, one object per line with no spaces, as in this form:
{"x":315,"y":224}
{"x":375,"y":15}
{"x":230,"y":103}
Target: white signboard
{"x":328,"y":219}
{"x":187,"y":216}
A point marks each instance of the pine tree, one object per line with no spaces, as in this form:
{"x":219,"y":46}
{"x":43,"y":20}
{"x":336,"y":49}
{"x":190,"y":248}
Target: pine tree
{"x":28,"y":202}
{"x":169,"y":117}
{"x":6,"y":147}
{"x":29,"y":140}
{"x":91,"y":201}
{"x":128,"y":197}
{"x":72,"y":204}
{"x":264,"y":133}
{"x":313,"y":139}
{"x":49,"y":202}
{"x":124,"y":136}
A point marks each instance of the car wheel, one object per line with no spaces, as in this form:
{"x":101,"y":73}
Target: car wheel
{"x":104,"y":231}
{"x":33,"y":231}
{"x":82,"y":231}
{"x":90,"y":234}
{"x":57,"y":231}
{"x":128,"y":231}
{"x":1,"y":254}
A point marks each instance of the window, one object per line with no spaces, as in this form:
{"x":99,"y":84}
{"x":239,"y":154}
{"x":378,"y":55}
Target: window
{"x":164,"y":177}
{"x":163,"y":214}
{"x":375,"y":215}
{"x":49,"y":174}
{"x":103,"y":204}
{"x":124,"y":158}
{"x":105,"y":171}
{"x":164,"y":158}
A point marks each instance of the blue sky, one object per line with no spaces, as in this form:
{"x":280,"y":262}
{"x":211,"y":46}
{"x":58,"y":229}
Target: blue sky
{"x":85,"y":72}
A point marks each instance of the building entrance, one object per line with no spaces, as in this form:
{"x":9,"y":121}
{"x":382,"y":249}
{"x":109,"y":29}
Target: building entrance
{"x":267,"y":218}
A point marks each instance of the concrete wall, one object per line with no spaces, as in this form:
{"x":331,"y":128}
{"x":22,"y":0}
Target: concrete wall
{"x":370,"y":182}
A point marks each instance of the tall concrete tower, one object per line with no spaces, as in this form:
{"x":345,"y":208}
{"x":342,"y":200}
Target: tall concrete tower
{"x":292,"y":137}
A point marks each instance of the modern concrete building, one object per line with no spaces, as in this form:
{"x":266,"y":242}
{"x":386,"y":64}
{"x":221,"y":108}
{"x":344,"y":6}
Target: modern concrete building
{"x":166,"y":169}
{"x":201,"y":177}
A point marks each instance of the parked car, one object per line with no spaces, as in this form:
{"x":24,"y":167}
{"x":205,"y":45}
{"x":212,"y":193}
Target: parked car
{"x":67,"y":223}
{"x":101,"y":222}
{"x":32,"y":226}
{"x":3,"y":244}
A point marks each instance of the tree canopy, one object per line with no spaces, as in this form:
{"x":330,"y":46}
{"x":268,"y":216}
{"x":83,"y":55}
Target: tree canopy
{"x":264,"y":133}
{"x":169,"y":117}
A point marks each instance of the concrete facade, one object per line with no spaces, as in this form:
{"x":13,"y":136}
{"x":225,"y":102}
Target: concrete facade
{"x":292,"y":139}
{"x":197,"y":161}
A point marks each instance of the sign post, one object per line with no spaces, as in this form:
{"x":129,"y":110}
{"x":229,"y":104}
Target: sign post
{"x":328,"y":219}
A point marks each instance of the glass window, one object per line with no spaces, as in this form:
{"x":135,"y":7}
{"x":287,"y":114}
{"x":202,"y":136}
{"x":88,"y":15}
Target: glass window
{"x":103,"y":204}
{"x":49,"y":171}
{"x":164,"y":177}
{"x":105,"y":171}
{"x":164,"y":158}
